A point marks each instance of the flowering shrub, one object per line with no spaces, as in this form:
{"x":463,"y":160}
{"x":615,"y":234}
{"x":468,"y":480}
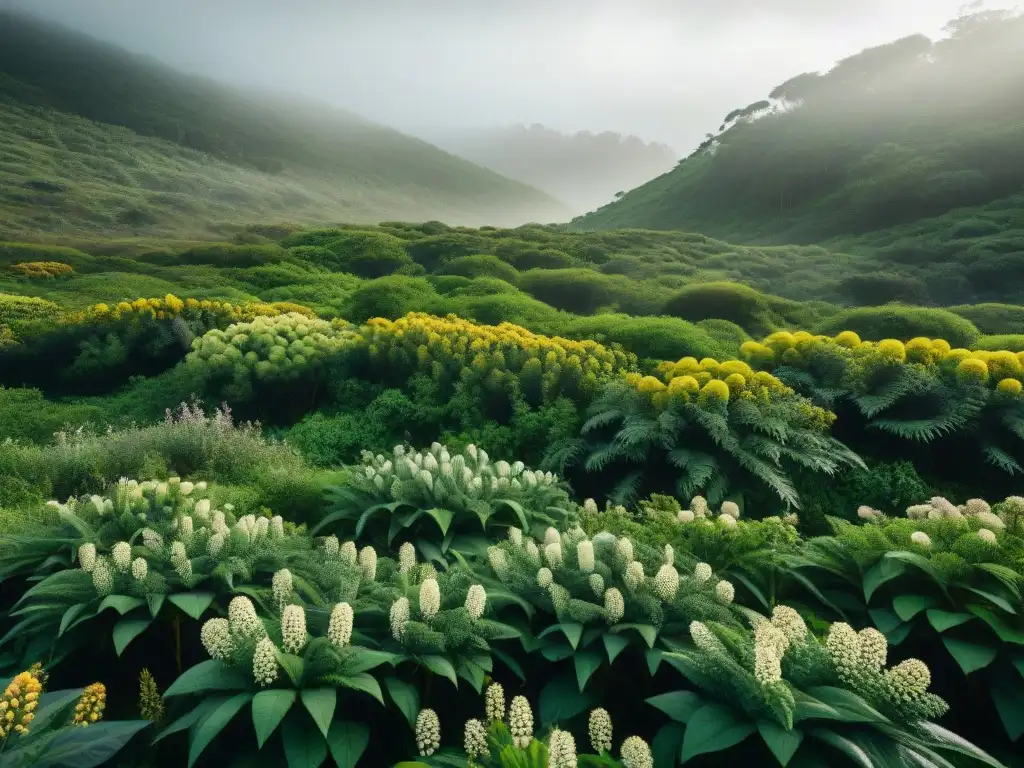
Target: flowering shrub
{"x":33,"y":269}
{"x":442,"y":501}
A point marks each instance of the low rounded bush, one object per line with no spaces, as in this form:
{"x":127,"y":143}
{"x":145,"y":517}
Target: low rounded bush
{"x":366,"y":254}
{"x":740,"y":304}
{"x":993,"y":318}
{"x":895,"y":321}
{"x":390,"y":297}
{"x":481,"y":265}
{"x":873,"y":290}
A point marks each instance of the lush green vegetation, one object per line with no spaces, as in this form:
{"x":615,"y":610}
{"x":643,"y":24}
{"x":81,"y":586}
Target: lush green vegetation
{"x":906,"y":155}
{"x":166,"y":153}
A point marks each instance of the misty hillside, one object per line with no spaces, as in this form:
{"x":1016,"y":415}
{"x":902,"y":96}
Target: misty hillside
{"x":153,"y":131}
{"x":898,"y":137}
{"x":583,"y":169}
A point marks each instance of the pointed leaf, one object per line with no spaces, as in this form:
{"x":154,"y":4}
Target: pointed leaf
{"x":509,"y":662}
{"x":679,"y":705}
{"x":439,"y":665}
{"x":853,"y":708}
{"x":405,"y":696}
{"x":443,"y":518}
{"x":943,"y":620}
{"x":268,"y":710}
{"x":646,"y":631}
{"x":127,"y":630}
{"x":1008,"y":696}
{"x":713,"y":728}
{"x":320,"y":703}
{"x":69,"y":615}
{"x":192,"y":603}
{"x":364,"y":682}
{"x":211,"y":675}
{"x":304,"y":746}
{"x":561,"y":700}
{"x":587,"y":663}
{"x":666,"y":745}
{"x":1004,"y":631}
{"x":120,"y":603}
{"x":614,"y":645}
{"x":881,"y":572}
{"x":347,"y":742}
{"x":156,"y":602}
{"x":781,"y":742}
{"x":88,"y":747}
{"x":207,"y":729}
{"x":995,"y":599}
{"x":970,"y":656}
{"x":294,"y":666}
{"x":908,"y":606}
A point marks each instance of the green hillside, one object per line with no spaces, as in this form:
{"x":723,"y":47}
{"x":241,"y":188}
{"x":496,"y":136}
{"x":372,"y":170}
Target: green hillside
{"x":98,"y":139}
{"x":923,"y":140}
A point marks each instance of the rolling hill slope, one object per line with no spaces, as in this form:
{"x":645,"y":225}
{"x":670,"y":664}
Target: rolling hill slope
{"x":900,"y":136}
{"x":187,"y":135}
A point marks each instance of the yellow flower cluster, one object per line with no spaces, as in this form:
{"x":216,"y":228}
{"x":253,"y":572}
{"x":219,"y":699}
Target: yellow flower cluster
{"x":42,"y":269}
{"x":456,"y":348}
{"x":1001,"y":369}
{"x":171,"y":306}
{"x":18,"y":704}
{"x":90,"y":706}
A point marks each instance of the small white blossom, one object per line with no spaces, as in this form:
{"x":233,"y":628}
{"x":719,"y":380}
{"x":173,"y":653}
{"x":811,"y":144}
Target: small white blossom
{"x":430,"y":598}
{"x":590,"y":506}
{"x":243,"y":618}
{"x":202,"y":509}
{"x":685,"y":516}
{"x":986,"y":535}
{"x":790,"y":623}
{"x":475,"y":740}
{"x":183,"y":567}
{"x":614,"y":606}
{"x":635,"y":753}
{"x":559,"y":597}
{"x":703,"y":637}
{"x":152,"y":540}
{"x":331,"y":546}
{"x":347,"y":553}
{"x":634,"y":575}
{"x":532,"y":551}
{"x":515,"y":536}
{"x":368,"y":562}
{"x":293,"y":629}
{"x":339,"y":628}
{"x":399,"y":617}
{"x":727,"y":520}
{"x":406,"y":557}
{"x":545,"y":578}
{"x":140,"y":568}
{"x":121,"y":555}
{"x":561,"y":749}
{"x":498,"y":562}
{"x":187,"y":527}
{"x":215,"y":544}
{"x":102,"y":578}
{"x":702,"y":573}
{"x":908,"y":680}
{"x":428,"y":732}
{"x":186,"y":488}
{"x":277,"y":527}
{"x":600,"y":729}
{"x":585,"y":556}
{"x":725,"y":591}
{"x":552,"y":536}
{"x":699,"y":505}
{"x":520,"y":722}
{"x":476,"y":601}
{"x":669,"y":556}
{"x":874,"y":649}
{"x":597,"y":584}
{"x":624,"y":549}
{"x":732,"y":509}
{"x":281,"y":586}
{"x":666,"y":582}
{"x":553,"y":554}
{"x":843,"y":646}
{"x":87,"y":557}
{"x":921,"y":538}
{"x":261,"y":528}
{"x":264,"y":662}
{"x":867,"y":513}
{"x":767,"y":664}
{"x":494,"y":702}
{"x":216,"y":639}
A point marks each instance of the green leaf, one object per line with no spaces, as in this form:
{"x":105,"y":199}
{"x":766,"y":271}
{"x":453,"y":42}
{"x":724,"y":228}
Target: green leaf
{"x":666,"y":745}
{"x":405,"y":696}
{"x":679,"y":705}
{"x":561,"y":700}
{"x":970,"y":656}
{"x":587,"y":663}
{"x":294,"y":666}
{"x":995,"y":599}
{"x":908,"y":606}
{"x":69,"y":616}
{"x":192,"y":603}
{"x":646,"y":631}
{"x":849,"y":748}
{"x":509,"y":662}
{"x":1003,"y":631}
{"x":120,"y":603}
{"x":881,"y":572}
{"x":89,"y":747}
{"x":156,"y":602}
{"x":955,"y":743}
{"x":781,"y":742}
{"x":850,"y":705}
{"x":811,"y":587}
{"x":439,"y":665}
{"x":268,"y":710}
{"x":364,"y":682}
{"x":347,"y":742}
{"x":884,"y":619}
{"x":443,"y":518}
{"x":365,"y":659}
{"x":614,"y":645}
{"x":52,"y":706}
{"x":654,"y":658}
{"x":943,"y":620}
{"x":320,"y":703}
{"x":190,"y":718}
{"x":211,"y":675}
{"x":127,"y":630}
{"x":713,"y":728}
{"x":304,"y":746}
{"x":207,"y":729}
{"x":1008,"y":696}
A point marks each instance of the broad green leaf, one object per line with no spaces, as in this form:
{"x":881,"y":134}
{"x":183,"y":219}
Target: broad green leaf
{"x":69,"y":615}
{"x":52,"y":706}
{"x":899,"y":634}
{"x":646,"y":631}
{"x":811,"y":587}
{"x":443,"y":518}
{"x":210,"y":675}
{"x":970,"y":656}
{"x":268,"y":710}
{"x":850,"y":705}
{"x":191,"y":717}
{"x":347,"y":742}
{"x":781,"y":742}
{"x":561,"y":700}
{"x":1008,"y":696}
{"x":156,"y":602}
{"x":294,"y":666}
{"x":320,"y":703}
{"x":884,"y":619}
{"x":666,"y":745}
{"x":127,"y":630}
{"x":679,"y":705}
{"x":943,"y":620}
{"x":473,"y":674}
{"x":995,"y":599}
{"x":192,"y":603}
{"x":654,"y":658}
{"x":405,"y":696}
{"x":304,"y":746}
{"x":120,"y":603}
{"x":587,"y":663}
{"x":854,"y":752}
{"x":439,"y":665}
{"x":364,"y":682}
{"x":921,"y":562}
{"x":883,"y":571}
{"x":809,"y":708}
{"x":207,"y":729}
{"x":1004,"y":631}
{"x":89,"y":747}
{"x":908,"y":606}
{"x":713,"y":728}
{"x":757,"y":593}
{"x":364,"y":659}
{"x":509,"y":662}
{"x":955,"y":743}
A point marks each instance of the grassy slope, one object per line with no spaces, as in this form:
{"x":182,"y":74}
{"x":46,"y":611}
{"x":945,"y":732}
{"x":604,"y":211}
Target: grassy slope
{"x":886,"y":151}
{"x":281,"y":155}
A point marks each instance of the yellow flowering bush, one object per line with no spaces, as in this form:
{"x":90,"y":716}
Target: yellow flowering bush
{"x":42,"y":268}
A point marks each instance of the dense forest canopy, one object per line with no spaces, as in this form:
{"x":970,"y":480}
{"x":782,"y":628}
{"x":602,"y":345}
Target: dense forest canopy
{"x":895,"y":134}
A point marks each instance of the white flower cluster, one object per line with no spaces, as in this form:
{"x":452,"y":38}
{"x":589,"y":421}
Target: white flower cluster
{"x":597,"y":584}
{"x":281,"y":587}
{"x":216,"y":639}
{"x":635,"y":753}
{"x":599,"y":727}
{"x":868,"y":513}
{"x":561,"y":749}
{"x":908,"y":680}
{"x":368,"y":563}
{"x":666,"y":583}
{"x":293,"y":629}
{"x":430,"y":599}
{"x":121,"y":555}
{"x":553,"y":554}
{"x":520,"y":722}
{"x":264,"y":662}
{"x":339,"y":627}
{"x":140,"y":569}
{"x":921,"y":538}
{"x":243,"y":619}
{"x":585,"y":556}
{"x":624,"y":549}
{"x":704,"y":638}
{"x":87,"y":557}
{"x":102,"y":579}
{"x":475,"y":739}
{"x":634,"y":575}
{"x":790,"y":623}
{"x":399,"y":616}
{"x":476,"y":601}
{"x":843,"y":646}
{"x":428,"y":732}
{"x":614,"y":605}
{"x":494,"y":702}
{"x":498,"y":561}
{"x":725,"y":591}
{"x":702,"y":572}
{"x":406,"y":557}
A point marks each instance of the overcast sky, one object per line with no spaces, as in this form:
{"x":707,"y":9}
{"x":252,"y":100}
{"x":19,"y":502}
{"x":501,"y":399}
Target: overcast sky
{"x":666,"y":70}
